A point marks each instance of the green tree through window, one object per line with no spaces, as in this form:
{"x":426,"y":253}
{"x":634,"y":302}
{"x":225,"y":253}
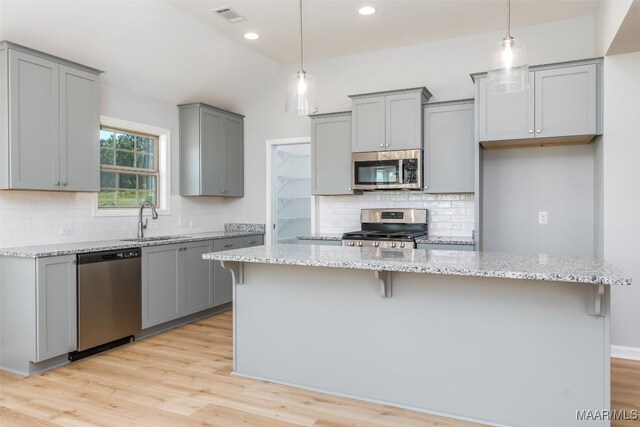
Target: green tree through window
{"x":128,"y":168}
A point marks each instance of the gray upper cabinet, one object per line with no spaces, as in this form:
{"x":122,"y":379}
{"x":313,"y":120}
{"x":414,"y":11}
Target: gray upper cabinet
{"x":79,"y":130}
{"x":449,"y":147}
{"x":56,"y":319}
{"x":566,"y":101}
{"x":388,"y":120}
{"x":562,"y":105}
{"x":331,"y":154}
{"x":52,"y":110}
{"x":368,"y":124}
{"x":211,"y":151}
{"x":505,"y":116}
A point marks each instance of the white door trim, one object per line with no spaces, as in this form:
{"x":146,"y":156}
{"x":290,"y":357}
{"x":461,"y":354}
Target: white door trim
{"x":268,"y":238}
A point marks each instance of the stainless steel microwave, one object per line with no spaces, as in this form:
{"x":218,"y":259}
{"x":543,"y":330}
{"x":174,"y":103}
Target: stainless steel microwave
{"x":387,"y":170}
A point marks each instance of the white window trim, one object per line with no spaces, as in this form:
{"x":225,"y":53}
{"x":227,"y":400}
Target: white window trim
{"x":164,"y":167}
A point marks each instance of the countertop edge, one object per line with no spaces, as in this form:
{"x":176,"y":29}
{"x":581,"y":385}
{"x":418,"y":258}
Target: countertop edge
{"x":420,"y":241}
{"x":109,"y":245}
{"x":569,"y":278}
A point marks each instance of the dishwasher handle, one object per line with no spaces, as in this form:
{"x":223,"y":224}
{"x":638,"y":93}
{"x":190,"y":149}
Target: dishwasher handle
{"x":106,"y":256}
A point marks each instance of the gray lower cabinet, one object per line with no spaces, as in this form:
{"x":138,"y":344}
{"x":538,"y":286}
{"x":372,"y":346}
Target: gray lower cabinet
{"x":198,"y":277}
{"x":563,"y":101}
{"x":176,"y":281}
{"x":331,"y":154}
{"x":388,"y":120}
{"x":56,"y":312}
{"x":162,"y":284}
{"x":211,"y":151}
{"x":223,"y":289}
{"x":37,"y":311}
{"x":49,"y":127}
{"x":449,"y":147}
{"x":437,"y":246}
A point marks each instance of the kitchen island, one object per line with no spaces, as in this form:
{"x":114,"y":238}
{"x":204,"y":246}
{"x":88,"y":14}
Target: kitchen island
{"x":502,"y":339}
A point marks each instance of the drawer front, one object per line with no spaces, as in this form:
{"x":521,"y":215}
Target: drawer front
{"x":248,"y":241}
{"x":227,"y":244}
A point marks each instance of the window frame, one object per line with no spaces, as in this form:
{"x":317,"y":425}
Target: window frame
{"x":161,"y":162}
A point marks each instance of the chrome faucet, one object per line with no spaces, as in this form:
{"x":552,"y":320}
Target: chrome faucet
{"x":143,"y":225}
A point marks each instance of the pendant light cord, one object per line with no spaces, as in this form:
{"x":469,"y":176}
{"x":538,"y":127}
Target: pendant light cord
{"x":508,"y":18}
{"x":301,"y":41}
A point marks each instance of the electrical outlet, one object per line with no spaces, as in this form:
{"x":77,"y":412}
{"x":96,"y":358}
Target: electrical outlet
{"x":543,"y":218}
{"x":182,"y":221}
{"x":66,"y":231}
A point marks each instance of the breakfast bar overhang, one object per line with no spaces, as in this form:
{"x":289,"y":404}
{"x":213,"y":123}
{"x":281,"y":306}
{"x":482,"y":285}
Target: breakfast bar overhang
{"x":496,"y":338}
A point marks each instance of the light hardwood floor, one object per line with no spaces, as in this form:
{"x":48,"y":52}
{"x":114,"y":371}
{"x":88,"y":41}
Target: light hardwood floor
{"x":182,"y":378}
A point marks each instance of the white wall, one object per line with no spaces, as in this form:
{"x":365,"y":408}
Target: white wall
{"x":622,"y":190}
{"x":608,"y":17}
{"x":442,"y":66}
{"x":520,"y":183}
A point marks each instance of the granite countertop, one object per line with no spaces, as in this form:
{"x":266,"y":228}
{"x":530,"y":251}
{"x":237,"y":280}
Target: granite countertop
{"x":554,"y":268}
{"x":41,"y":251}
{"x":419,"y":240}
{"x":445,"y":240}
{"x":321,"y":236}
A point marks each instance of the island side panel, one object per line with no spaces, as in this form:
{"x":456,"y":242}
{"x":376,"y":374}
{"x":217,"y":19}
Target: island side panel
{"x":501,"y":351}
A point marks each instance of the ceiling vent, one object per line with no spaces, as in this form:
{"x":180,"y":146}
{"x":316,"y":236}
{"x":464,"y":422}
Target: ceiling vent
{"x":229,"y":14}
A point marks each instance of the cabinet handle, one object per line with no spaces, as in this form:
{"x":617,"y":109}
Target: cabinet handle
{"x":530,"y":130}
{"x":64,"y":184}
{"x":253,"y":242}
{"x":57,"y":184}
{"x":224,"y":191}
{"x":228,"y":245}
{"x":74,"y":261}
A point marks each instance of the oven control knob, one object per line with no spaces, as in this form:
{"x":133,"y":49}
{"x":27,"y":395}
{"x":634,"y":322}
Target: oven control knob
{"x":402,"y":245}
{"x":351,"y":243}
{"x":359,"y":243}
{"x":376,"y":244}
{"x":393,"y":244}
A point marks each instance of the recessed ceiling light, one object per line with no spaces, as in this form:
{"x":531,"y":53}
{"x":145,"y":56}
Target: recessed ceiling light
{"x":252,"y":36}
{"x":367,"y":10}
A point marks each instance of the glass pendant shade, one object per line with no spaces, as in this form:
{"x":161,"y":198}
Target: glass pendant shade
{"x":509,"y":71}
{"x":301,"y":94}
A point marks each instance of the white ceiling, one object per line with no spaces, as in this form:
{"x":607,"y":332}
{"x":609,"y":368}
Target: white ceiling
{"x":334,"y":28}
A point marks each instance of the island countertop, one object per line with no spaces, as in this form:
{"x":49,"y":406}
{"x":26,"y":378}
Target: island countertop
{"x":556,"y":268}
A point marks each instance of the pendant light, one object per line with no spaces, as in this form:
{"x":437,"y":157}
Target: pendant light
{"x":301,"y":92}
{"x":509,"y":71}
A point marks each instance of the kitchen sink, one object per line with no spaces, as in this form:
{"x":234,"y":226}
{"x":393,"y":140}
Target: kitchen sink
{"x":152,"y":239}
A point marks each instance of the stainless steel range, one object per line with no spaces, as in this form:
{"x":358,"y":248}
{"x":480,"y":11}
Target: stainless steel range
{"x":388,"y":228}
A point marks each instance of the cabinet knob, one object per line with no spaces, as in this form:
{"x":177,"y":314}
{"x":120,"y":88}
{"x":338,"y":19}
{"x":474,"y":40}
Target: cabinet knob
{"x":387,"y":145}
{"x":349,"y":188}
{"x":537,"y":130}
{"x":64,"y":184}
{"x":74,"y":261}
{"x":381,"y":145}
{"x":57,"y":184}
{"x":530,"y":130}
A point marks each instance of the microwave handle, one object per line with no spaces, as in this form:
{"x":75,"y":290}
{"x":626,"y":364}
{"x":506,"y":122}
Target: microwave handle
{"x":401,"y":171}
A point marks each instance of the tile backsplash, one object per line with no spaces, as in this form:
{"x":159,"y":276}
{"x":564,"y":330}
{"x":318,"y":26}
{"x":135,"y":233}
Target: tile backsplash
{"x":36,"y":217}
{"x":450,"y":215}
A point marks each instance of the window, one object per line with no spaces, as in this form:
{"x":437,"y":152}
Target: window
{"x":129,"y":168}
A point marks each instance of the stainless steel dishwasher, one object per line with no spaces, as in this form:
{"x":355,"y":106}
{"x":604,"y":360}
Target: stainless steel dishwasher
{"x":109,"y":300}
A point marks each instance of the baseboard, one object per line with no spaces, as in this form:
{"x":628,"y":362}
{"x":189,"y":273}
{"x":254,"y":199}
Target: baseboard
{"x":622,"y":352}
